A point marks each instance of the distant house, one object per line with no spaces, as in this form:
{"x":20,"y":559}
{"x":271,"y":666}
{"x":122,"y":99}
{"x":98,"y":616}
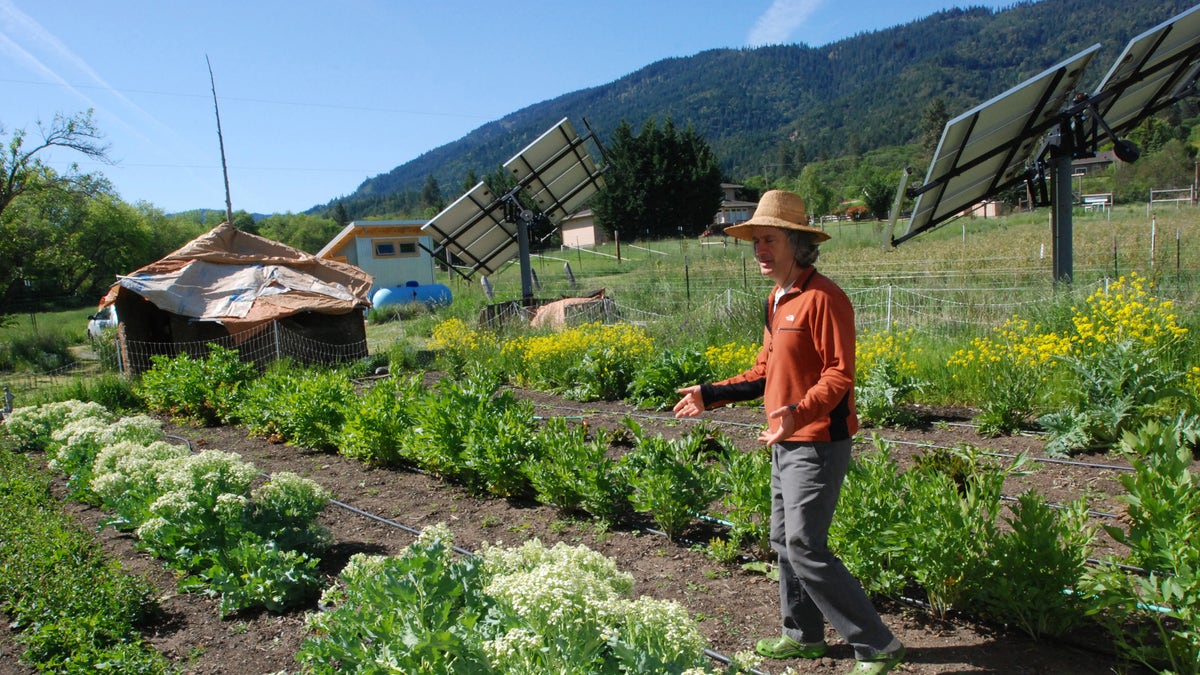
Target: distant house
{"x":733,"y":210}
{"x":580,"y":230}
{"x":394,"y":252}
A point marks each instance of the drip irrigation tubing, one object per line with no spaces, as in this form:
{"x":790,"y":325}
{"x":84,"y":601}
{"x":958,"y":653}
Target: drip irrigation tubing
{"x":661,"y":418}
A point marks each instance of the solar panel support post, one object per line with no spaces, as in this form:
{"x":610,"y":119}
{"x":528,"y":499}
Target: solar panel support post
{"x":1061,"y":200}
{"x":523,"y":218}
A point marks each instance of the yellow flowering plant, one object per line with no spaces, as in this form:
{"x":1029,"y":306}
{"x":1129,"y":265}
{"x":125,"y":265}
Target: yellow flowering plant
{"x":1009,"y":372}
{"x":731,"y":358}
{"x":587,"y":362}
{"x":462,"y":349}
{"x":1125,"y":359}
{"x":885,"y":377}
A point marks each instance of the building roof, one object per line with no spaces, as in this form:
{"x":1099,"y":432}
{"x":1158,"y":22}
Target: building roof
{"x":240,"y":279}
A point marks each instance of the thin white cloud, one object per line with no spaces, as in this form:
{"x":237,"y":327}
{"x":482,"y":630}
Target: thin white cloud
{"x":15,"y":24}
{"x":780,"y":21}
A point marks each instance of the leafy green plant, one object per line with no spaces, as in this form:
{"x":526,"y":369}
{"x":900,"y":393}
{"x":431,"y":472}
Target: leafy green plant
{"x":375,"y":422}
{"x":880,"y":395}
{"x":204,"y":389}
{"x":312,"y":414}
{"x":441,"y":424}
{"x":746,"y":494}
{"x":1122,"y":384}
{"x":572,"y":472}
{"x":420,"y":612}
{"x":656,"y":384}
{"x":1032,"y":569}
{"x":1153,"y":619}
{"x":498,"y":441}
{"x":71,"y":608}
{"x":870,"y":514}
{"x":943,"y":538}
{"x":669,"y":478}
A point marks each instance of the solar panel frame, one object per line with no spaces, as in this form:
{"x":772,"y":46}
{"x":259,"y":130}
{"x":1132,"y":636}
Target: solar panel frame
{"x":988,"y":148}
{"x":1156,"y":68}
{"x":556,"y":171}
{"x":474,"y":229}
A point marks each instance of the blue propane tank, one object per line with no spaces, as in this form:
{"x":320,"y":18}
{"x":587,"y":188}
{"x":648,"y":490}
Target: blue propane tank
{"x":430,"y":294}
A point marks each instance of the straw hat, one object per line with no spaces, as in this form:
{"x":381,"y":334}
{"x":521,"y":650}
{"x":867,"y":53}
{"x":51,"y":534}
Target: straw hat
{"x":778,"y":208}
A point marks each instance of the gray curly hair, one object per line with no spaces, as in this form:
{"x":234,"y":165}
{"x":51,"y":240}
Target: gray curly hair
{"x":804,"y":249}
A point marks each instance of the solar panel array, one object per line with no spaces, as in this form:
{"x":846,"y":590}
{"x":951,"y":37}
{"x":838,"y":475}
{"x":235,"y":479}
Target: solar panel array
{"x":990,"y":147}
{"x":556,"y":172}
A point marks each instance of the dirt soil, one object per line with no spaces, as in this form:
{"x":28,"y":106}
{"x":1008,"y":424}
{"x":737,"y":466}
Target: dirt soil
{"x":734,"y":607}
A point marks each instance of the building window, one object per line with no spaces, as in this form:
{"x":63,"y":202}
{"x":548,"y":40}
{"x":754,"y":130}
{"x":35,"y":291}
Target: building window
{"x":391,"y":248}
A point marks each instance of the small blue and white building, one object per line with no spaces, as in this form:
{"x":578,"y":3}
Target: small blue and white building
{"x":396,"y":255}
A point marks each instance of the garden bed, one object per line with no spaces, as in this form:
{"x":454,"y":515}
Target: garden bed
{"x":735,"y":607}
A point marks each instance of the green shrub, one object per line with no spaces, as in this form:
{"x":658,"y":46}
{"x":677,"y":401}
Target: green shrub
{"x":500,"y":439}
{"x":746,"y":493}
{"x":669,"y":478}
{"x":870,"y":513}
{"x":305,"y":407}
{"x":656,"y":385}
{"x":1153,"y":619}
{"x":571,"y":472}
{"x":1032,"y":569}
{"x":206,"y":390}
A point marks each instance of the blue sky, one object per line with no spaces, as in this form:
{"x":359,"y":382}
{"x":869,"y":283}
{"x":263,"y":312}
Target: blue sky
{"x":315,"y":97}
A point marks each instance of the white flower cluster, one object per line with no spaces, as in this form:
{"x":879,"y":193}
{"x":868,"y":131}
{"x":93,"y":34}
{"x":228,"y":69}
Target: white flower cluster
{"x":211,"y":472}
{"x":32,"y":426}
{"x":663,"y":623}
{"x":580,"y":559}
{"x":516,"y":647}
{"x":292,"y":496}
{"x":130,"y":467}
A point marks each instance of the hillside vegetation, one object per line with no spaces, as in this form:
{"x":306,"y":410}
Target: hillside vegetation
{"x":768,"y":111}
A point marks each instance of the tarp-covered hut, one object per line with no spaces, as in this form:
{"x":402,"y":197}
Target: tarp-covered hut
{"x":266,"y":299}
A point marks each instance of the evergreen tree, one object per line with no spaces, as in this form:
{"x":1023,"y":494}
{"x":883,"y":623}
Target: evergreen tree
{"x":431,"y":195}
{"x":933,"y":121}
{"x":660,"y":182}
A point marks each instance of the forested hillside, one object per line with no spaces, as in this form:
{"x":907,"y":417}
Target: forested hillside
{"x":768,"y":110}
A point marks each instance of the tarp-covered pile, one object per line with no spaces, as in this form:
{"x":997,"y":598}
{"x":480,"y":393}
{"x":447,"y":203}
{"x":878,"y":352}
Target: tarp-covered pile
{"x":230,"y":283}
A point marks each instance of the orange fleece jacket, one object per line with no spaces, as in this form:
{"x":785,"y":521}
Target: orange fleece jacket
{"x":807,"y":359}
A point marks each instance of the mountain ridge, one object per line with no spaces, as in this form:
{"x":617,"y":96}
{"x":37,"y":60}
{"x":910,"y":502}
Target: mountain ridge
{"x":754,"y":105}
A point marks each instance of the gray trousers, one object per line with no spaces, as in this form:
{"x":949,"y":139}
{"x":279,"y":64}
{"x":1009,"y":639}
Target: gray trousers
{"x":814,"y":585}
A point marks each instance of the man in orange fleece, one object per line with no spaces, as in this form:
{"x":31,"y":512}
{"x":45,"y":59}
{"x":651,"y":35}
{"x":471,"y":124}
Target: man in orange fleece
{"x":805,"y":375}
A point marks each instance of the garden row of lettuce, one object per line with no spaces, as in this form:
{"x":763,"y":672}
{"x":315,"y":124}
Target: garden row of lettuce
{"x":523,"y":610}
{"x":941,"y":526}
{"x":70,"y":608}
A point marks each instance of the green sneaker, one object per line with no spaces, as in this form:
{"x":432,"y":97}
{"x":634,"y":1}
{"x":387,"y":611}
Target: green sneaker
{"x":878,"y":665}
{"x":784,"y":647}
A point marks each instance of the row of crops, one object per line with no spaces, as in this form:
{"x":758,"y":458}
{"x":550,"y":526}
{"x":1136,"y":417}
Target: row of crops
{"x":256,"y":544}
{"x":941,"y":526}
{"x":1116,"y":377}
